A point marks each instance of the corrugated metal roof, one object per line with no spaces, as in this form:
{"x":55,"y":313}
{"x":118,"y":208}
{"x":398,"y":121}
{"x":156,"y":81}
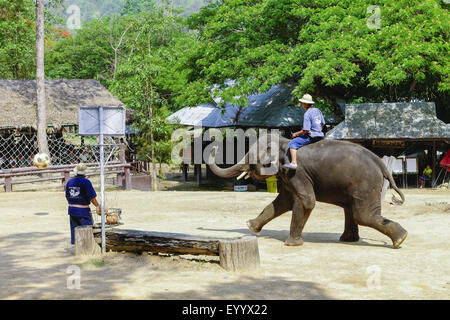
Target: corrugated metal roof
{"x":273,"y":109}
{"x":205,"y":115}
{"x":410,"y":120}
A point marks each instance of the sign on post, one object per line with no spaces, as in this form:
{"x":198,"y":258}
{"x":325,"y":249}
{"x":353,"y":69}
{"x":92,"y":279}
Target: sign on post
{"x":100,"y":121}
{"x":398,"y":166}
{"x":411,"y":165}
{"x":113,"y":121}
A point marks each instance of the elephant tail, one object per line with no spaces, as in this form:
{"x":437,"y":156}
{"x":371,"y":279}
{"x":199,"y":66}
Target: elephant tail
{"x":394,"y":199}
{"x":388,"y":176}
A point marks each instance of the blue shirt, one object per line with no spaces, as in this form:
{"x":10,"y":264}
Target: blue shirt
{"x":79,"y":191}
{"x":313,"y":121}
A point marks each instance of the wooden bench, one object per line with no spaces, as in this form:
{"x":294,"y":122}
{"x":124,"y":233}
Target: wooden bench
{"x":121,"y":169}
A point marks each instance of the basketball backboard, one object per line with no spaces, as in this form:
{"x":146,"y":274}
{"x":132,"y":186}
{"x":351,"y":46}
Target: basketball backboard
{"x":113,"y":121}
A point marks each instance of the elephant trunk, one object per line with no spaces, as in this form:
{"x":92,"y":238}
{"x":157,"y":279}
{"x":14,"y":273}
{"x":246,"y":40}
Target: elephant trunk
{"x":234,"y":171}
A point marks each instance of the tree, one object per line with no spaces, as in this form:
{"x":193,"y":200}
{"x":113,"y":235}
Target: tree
{"x":17,"y":37}
{"x":40,"y":77}
{"x":143,"y":71}
{"x":326,"y":48}
{"x":138,"y":6}
{"x":145,"y":79}
{"x":88,"y":55}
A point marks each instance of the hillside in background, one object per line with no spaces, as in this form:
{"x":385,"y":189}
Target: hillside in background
{"x":93,"y":9}
{"x":189,"y":6}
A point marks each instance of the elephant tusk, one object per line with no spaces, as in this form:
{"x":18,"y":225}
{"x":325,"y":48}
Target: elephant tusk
{"x":241,"y":175}
{"x":247,"y":176}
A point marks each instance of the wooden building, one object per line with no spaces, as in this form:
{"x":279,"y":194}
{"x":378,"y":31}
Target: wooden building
{"x":395,"y":129}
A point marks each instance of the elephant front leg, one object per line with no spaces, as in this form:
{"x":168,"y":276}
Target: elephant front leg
{"x":351,"y":232}
{"x":281,"y":204}
{"x":300,"y":215}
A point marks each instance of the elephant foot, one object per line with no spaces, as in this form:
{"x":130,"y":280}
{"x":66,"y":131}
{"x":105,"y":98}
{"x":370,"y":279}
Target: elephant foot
{"x":349,"y":237}
{"x":400,"y":240}
{"x":252,"y":227}
{"x":291,"y":241}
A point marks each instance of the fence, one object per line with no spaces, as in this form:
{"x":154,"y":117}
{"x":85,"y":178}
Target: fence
{"x":17,"y":151}
{"x":9,"y":177}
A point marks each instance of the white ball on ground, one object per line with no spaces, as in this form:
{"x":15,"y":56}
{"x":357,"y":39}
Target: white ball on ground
{"x":41,"y":160}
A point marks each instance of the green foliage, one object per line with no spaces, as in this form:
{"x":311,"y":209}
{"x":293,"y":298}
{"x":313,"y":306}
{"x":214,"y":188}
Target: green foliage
{"x":142,"y":71}
{"x":146,"y":56}
{"x":325,"y":47}
{"x":138,"y":6}
{"x":88,"y":55}
{"x":17,"y":39}
{"x":144,"y":79}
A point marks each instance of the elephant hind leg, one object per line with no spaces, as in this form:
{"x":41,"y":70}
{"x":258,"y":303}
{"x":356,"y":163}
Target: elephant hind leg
{"x":351,"y":232}
{"x":373,"y":218}
{"x":390,"y":228}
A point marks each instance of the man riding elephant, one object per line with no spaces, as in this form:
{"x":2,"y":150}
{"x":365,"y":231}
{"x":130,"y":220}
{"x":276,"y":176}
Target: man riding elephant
{"x":313,"y":122}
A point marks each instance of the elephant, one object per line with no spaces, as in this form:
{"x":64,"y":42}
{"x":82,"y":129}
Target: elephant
{"x":331,"y":171}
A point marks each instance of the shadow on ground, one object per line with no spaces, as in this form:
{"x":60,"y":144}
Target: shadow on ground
{"x":313,"y":237}
{"x":27,"y":275}
{"x":248,"y":287}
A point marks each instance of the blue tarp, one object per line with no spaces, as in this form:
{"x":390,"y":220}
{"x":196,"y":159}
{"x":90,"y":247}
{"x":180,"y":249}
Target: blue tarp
{"x":273,"y":109}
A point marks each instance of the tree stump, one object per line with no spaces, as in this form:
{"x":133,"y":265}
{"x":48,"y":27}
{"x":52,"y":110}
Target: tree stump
{"x":240,"y":254}
{"x":85,"y":243}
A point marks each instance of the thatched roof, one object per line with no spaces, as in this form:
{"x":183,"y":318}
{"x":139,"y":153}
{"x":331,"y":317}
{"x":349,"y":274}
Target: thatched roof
{"x":64,"y":96}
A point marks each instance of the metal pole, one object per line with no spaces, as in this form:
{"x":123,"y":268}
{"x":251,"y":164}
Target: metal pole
{"x":102,"y":179}
{"x":433,"y":164}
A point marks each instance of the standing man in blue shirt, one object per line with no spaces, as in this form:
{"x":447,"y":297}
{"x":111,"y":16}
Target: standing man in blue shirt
{"x":79,"y":194}
{"x":313,"y":122}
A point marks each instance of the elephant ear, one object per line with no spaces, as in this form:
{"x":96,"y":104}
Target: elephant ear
{"x":270,"y":160}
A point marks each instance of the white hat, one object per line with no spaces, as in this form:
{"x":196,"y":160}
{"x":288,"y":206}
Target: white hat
{"x":307,"y":99}
{"x":80,"y":169}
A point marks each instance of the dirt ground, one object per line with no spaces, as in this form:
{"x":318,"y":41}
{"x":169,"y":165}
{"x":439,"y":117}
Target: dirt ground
{"x":36,"y":261}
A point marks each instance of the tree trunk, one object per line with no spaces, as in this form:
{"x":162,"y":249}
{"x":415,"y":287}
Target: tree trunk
{"x":40,"y":80}
{"x":158,"y":242}
{"x":153,"y":169}
{"x":150,"y":114}
{"x":235,"y":254}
